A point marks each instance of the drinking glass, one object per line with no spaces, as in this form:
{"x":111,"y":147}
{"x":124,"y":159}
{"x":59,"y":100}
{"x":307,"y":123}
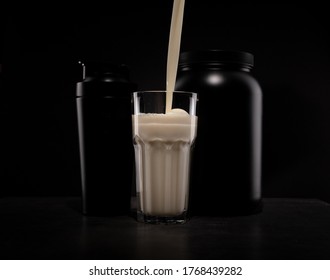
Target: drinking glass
{"x":163,"y":144}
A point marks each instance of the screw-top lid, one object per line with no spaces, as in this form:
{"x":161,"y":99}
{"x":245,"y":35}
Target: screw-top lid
{"x":104,"y":79}
{"x":101,"y":68}
{"x":215,"y":56}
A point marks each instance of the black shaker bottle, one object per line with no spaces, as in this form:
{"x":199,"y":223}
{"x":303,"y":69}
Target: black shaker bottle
{"x":227,"y":157}
{"x":103,"y":100}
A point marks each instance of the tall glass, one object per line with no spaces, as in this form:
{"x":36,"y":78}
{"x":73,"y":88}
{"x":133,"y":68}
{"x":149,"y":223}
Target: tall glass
{"x":163,"y":143}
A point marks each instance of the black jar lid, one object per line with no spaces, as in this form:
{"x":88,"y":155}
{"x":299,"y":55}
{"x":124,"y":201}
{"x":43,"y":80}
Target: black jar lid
{"x":217,"y":56}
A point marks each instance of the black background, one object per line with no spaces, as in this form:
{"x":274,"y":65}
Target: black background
{"x":40,"y":45}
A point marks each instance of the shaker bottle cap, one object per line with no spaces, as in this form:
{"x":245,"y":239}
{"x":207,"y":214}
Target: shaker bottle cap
{"x":104,"y":79}
{"x":99,"y":68}
{"x":217,"y":56}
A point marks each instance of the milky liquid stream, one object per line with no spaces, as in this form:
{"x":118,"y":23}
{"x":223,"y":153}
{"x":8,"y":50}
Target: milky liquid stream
{"x":173,"y":50}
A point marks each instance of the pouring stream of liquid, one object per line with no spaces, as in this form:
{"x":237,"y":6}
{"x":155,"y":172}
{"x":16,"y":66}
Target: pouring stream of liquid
{"x":173,"y":50}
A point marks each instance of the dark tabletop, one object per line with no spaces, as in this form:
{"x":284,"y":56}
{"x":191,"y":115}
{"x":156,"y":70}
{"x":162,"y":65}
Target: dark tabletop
{"x":54,"y":228}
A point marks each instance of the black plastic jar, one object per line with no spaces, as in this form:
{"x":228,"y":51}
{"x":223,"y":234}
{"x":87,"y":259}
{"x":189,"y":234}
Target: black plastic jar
{"x":227,"y":157}
{"x":103,"y":100}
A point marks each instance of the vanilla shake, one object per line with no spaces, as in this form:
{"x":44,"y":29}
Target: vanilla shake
{"x":163,"y":146}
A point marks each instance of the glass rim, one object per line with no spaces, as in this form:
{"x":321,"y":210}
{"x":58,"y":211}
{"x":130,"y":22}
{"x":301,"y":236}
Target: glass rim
{"x":183,"y":92}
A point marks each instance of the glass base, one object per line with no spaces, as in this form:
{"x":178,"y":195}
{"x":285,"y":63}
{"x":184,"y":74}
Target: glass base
{"x":170,"y":220}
